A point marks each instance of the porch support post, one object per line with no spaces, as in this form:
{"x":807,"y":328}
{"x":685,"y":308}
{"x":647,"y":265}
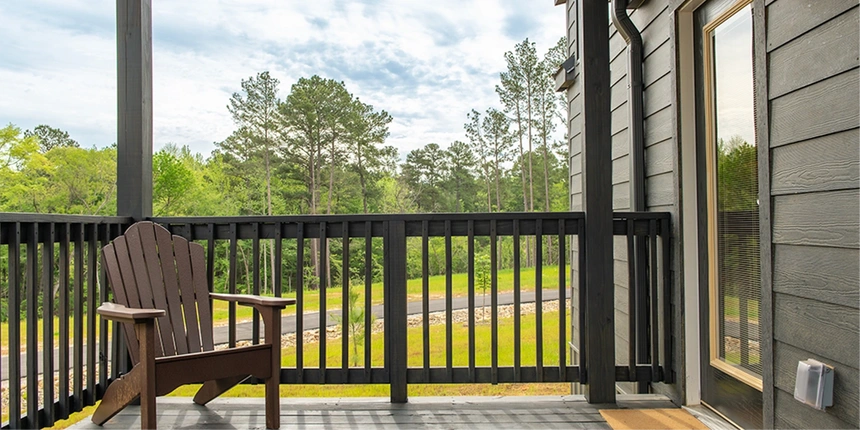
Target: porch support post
{"x":599,"y":330}
{"x":395,"y":302}
{"x":134,"y":108}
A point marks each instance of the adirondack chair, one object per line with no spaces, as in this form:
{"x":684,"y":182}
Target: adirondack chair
{"x":160,"y":289}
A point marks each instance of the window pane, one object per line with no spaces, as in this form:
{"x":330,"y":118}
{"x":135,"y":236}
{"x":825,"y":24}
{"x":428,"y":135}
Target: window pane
{"x":737,"y":233}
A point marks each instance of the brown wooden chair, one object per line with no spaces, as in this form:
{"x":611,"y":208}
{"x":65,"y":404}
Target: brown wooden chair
{"x":160,"y":289}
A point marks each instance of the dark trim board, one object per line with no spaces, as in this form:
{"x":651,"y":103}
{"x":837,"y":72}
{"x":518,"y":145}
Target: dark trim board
{"x":762,"y":136}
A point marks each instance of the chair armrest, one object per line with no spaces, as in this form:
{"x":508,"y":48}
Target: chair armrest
{"x":251,"y":300}
{"x":115,"y":312}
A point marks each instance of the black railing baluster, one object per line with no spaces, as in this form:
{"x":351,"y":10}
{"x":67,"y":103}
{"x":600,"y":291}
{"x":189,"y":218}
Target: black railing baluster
{"x":562,"y":302}
{"x":210,"y":257}
{"x":517,"y":304}
{"x":631,"y":299}
{"x":78,"y":319}
{"x":48,"y":324}
{"x":105,"y":234}
{"x":368,"y":296}
{"x":63,"y":322}
{"x":668,"y":376}
{"x":425,"y":296}
{"x":277,"y":270}
{"x":300,"y":302}
{"x":449,"y":293}
{"x":92,"y":295}
{"x":655,"y":314}
{"x":471,"y":269}
{"x":323,"y":287}
{"x":231,"y":286}
{"x":386,"y":298}
{"x":494,"y":305}
{"x":255,"y":281}
{"x":118,"y":349}
{"x":583,"y":285}
{"x":15,"y":326}
{"x":32,"y":325}
{"x":667,"y":302}
{"x":539,"y":299}
{"x":345,"y":307}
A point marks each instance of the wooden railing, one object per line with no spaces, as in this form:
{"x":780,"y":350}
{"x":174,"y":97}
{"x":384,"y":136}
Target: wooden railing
{"x":55,"y":257}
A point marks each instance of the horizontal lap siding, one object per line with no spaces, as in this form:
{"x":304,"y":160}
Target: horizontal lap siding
{"x":815,"y":168}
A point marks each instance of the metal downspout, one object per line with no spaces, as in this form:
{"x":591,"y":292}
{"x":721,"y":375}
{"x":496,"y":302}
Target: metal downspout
{"x":636,"y":128}
{"x":631,"y":35}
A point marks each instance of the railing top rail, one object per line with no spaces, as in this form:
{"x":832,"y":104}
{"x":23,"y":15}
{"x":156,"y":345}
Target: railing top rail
{"x":475,"y":216}
{"x":58,"y":218}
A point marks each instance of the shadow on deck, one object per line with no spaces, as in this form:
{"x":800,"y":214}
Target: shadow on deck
{"x":543,"y":412}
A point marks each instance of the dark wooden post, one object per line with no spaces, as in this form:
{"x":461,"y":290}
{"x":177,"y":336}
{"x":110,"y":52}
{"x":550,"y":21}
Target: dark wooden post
{"x":134,"y":108}
{"x":395,"y":266}
{"x":599,"y":330}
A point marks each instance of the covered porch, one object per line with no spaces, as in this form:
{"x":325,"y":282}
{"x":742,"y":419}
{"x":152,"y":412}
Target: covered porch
{"x":46,"y":383}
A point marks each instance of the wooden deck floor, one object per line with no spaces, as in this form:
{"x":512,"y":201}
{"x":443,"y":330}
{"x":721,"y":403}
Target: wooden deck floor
{"x":545,"y":412}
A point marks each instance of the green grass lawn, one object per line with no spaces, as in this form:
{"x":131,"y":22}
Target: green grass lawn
{"x":459,"y":287}
{"x":731,"y":308}
{"x":4,"y":333}
{"x":437,"y":358}
{"x":334,"y":298}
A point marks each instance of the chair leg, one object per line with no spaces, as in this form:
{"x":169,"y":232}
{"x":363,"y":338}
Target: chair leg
{"x":272,"y":318}
{"x":119,"y":394}
{"x":273,"y":402}
{"x":214,"y":388}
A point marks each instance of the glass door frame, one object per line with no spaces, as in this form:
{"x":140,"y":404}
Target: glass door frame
{"x":722,"y":392}
{"x":710,"y":114}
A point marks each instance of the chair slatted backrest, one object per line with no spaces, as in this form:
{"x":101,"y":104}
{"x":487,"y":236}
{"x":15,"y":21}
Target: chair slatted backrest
{"x":149,"y":268}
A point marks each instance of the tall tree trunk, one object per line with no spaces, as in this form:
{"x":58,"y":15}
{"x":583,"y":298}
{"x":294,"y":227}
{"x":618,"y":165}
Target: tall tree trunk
{"x":269,"y":211}
{"x":328,"y":211}
{"x":314,"y":242}
{"x":496,"y":174}
{"x":547,"y":205}
{"x":523,"y":181}
{"x":531,"y":174}
{"x":363,"y":181}
{"x":489,"y":201}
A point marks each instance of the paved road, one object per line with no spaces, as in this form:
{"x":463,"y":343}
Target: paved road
{"x":311,"y":321}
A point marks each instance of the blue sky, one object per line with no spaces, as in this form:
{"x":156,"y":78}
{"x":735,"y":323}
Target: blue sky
{"x":426,"y":63}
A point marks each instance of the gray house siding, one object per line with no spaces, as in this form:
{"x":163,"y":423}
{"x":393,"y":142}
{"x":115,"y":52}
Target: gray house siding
{"x":653,"y":21}
{"x":812,"y":89}
{"x":812,"y":56}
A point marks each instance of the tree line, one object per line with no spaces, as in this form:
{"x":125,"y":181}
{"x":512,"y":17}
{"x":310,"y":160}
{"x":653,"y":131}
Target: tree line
{"x":320,"y":150}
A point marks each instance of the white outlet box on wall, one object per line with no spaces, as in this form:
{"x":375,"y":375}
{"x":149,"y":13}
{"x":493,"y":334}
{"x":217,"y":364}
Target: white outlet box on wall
{"x":814,"y":384}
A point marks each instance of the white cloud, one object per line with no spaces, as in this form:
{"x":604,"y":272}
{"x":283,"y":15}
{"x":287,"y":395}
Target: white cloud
{"x":427,"y":63}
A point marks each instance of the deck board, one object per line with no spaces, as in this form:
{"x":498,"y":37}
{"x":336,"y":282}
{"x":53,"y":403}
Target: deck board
{"x":569,"y":412}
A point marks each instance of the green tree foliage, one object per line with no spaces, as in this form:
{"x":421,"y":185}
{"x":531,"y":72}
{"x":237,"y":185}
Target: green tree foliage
{"x":171,"y":180}
{"x":317,"y":148}
{"x":737,"y":175}
{"x":50,"y":138}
